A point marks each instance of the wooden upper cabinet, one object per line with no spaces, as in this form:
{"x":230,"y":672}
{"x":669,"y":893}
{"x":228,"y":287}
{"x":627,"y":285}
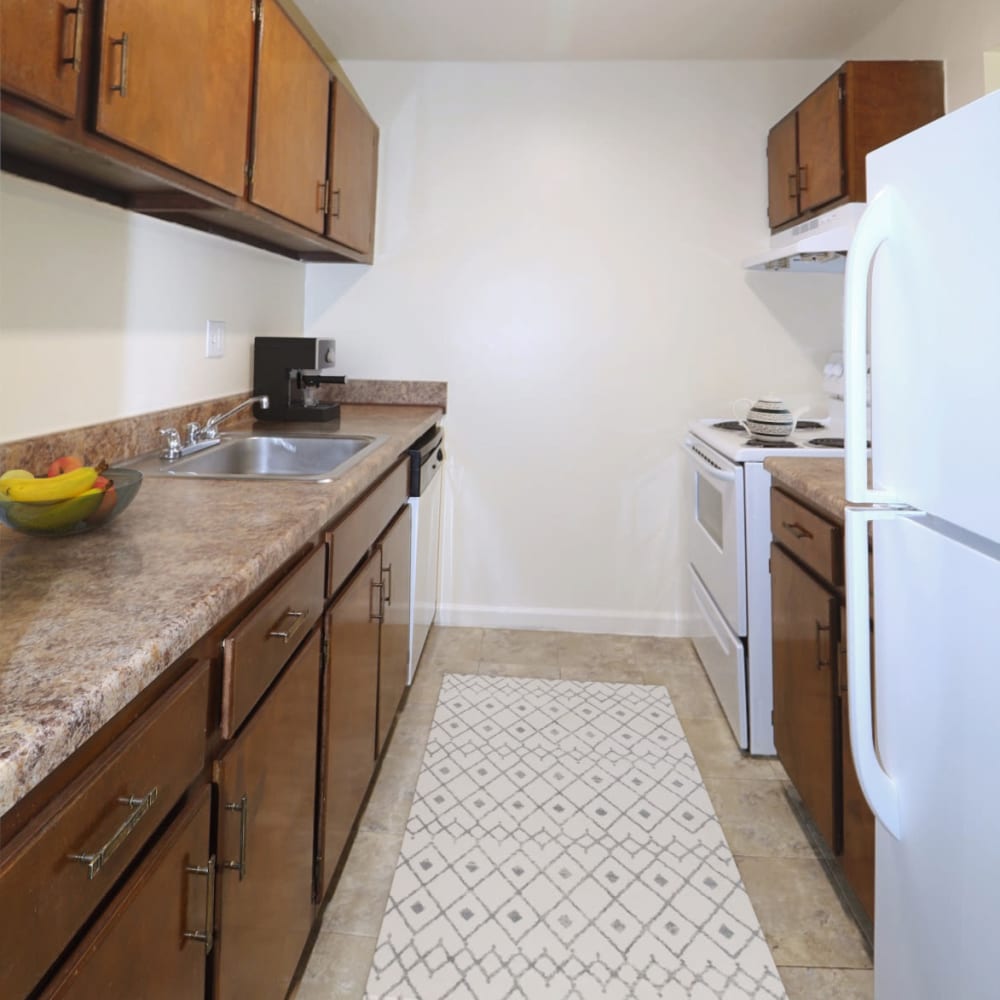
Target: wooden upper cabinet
{"x":353,"y":172}
{"x":816,"y":153}
{"x":41,"y":51}
{"x":291,"y":122}
{"x":821,"y":160}
{"x":175,"y":82}
{"x":782,"y":171}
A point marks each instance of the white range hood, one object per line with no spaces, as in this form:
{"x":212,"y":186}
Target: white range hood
{"x":818,"y":244}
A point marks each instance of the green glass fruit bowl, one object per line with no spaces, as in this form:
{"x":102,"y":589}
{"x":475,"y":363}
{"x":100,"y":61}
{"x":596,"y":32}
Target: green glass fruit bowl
{"x":76,"y":515}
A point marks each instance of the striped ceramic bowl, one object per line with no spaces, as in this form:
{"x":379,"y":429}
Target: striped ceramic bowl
{"x":769,"y":420}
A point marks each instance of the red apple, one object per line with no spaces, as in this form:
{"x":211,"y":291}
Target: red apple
{"x":66,"y":463}
{"x":108,"y":501}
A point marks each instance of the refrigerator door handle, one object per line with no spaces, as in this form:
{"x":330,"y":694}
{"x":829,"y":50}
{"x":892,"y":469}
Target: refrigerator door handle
{"x":873,"y":229}
{"x":879,"y":787}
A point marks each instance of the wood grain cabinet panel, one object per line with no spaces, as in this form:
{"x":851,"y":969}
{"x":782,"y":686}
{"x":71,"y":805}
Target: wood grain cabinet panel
{"x":394,"y":635}
{"x":291,"y":122}
{"x":267,"y":788}
{"x":782,"y":171}
{"x":806,"y":707}
{"x":67,"y":861}
{"x":255,"y":651}
{"x":821,"y":154}
{"x":41,"y":51}
{"x":857,"y":855}
{"x":350,"y":704}
{"x":139,"y":948}
{"x":175,"y":82}
{"x":353,"y":170}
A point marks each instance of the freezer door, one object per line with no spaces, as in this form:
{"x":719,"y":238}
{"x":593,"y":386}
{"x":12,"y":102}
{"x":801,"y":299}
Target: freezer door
{"x":927,"y":254}
{"x":937,"y":672}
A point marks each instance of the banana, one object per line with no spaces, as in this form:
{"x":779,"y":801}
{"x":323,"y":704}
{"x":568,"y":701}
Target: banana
{"x":48,"y":489}
{"x":54,"y":517}
{"x":11,"y":474}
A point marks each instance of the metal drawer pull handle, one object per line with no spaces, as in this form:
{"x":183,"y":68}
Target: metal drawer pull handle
{"x":796,"y":529}
{"x":388,"y":589}
{"x":140,"y":806}
{"x":76,"y":13}
{"x":376,"y":616}
{"x":208,"y":934}
{"x":792,"y":189}
{"x":122,"y":86}
{"x":820,"y":662}
{"x":322,"y":195}
{"x":803,"y":178}
{"x":285,"y":636}
{"x":336,"y":212}
{"x":241,"y":865}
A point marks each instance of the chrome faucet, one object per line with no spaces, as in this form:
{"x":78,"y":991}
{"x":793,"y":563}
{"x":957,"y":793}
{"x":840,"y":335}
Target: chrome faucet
{"x":198,"y":438}
{"x":210,"y":431}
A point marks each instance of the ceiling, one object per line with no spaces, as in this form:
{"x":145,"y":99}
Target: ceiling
{"x":593,"y":29}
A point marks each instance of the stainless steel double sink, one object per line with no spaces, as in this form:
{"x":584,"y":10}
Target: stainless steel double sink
{"x":302,"y":456}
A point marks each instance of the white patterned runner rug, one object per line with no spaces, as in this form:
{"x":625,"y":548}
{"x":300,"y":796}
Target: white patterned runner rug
{"x":562,"y":846}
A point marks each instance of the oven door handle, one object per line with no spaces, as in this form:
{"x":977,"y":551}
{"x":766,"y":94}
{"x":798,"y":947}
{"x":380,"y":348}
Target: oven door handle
{"x":710,"y":470}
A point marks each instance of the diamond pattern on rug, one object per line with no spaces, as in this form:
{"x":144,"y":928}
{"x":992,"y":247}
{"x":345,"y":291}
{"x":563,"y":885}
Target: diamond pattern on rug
{"x":562,"y":846}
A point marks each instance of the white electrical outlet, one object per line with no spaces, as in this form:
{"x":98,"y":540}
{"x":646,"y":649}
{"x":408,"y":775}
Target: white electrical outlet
{"x":215,"y":338}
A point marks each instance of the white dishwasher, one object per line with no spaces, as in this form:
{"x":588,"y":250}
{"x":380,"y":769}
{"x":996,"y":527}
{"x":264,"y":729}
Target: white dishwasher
{"x":426,"y":459}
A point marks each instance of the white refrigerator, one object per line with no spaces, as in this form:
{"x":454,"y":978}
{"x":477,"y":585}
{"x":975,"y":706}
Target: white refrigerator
{"x":922,"y":294}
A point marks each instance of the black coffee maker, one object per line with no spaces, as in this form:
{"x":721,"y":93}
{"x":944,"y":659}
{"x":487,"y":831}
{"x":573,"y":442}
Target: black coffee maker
{"x":288,"y":370}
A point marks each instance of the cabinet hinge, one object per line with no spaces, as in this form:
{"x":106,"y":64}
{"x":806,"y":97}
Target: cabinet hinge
{"x":249,"y":171}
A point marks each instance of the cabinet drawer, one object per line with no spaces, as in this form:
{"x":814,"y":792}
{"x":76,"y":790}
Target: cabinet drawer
{"x":808,"y":536}
{"x":73,"y":854}
{"x":255,"y":652}
{"x":355,"y":534}
{"x":140,"y":945}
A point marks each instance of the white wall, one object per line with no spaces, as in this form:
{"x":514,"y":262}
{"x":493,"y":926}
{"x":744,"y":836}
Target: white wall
{"x":561,"y":242}
{"x":102,"y":311}
{"x":960,"y":32}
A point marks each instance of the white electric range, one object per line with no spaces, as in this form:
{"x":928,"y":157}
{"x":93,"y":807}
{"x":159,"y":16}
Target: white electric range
{"x":729,"y":549}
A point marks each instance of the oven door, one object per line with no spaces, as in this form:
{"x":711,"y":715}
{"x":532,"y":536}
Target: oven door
{"x":717,"y":543}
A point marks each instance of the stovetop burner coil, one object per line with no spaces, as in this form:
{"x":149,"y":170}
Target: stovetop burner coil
{"x":735,"y":425}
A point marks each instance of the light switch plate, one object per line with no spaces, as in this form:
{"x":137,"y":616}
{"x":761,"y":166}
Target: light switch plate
{"x":215,"y":338}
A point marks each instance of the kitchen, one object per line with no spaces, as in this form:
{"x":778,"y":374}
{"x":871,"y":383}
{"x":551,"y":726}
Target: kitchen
{"x":559,"y":241}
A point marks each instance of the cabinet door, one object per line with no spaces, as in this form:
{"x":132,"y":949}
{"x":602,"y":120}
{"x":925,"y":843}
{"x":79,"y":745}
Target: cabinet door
{"x":394,"y":638}
{"x":857,"y":856}
{"x":267,"y":789}
{"x":806,"y":711}
{"x":350,"y":703}
{"x":41,"y":46}
{"x":353,"y":170}
{"x":821,"y":153}
{"x":782,"y":172}
{"x":141,"y":948}
{"x":291,"y":122}
{"x":175,"y":83}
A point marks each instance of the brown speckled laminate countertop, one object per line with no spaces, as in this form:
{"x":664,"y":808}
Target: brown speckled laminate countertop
{"x":820,"y":480}
{"x":87,"y":622}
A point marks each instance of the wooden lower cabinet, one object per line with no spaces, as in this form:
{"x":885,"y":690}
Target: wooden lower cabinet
{"x":139,"y":949}
{"x":350,"y":705}
{"x":394,"y":636}
{"x":267,"y":786}
{"x":857,"y":854}
{"x":806,"y":704}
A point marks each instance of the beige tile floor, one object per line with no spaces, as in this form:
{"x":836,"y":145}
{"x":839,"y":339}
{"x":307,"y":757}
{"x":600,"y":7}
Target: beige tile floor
{"x":818,"y":949}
